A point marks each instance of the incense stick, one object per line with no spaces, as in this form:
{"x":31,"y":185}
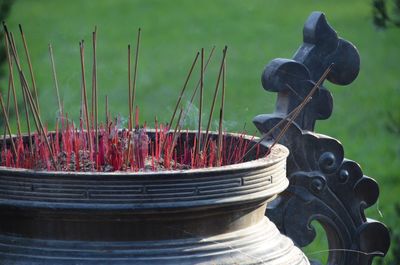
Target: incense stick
{"x":302,"y":105}
{"x":30,"y":67}
{"x":291,"y":116}
{"x":36,"y":116}
{"x":180,"y":97}
{"x":28,"y":123}
{"x":53,"y":67}
{"x":9,"y":80}
{"x":21,"y":74}
{"x":107,"y":111}
{"x":135,"y":69}
{"x":82,"y":55}
{"x":175,"y":134}
{"x":288,"y":116}
{"x":221,"y":117}
{"x":92,"y":102}
{"x":214,"y":97}
{"x":200,"y":103}
{"x":130,"y":122}
{"x":8,"y":94}
{"x":130,"y":89}
{"x":7,"y":109}
{"x":78,"y":145}
{"x":96,"y":117}
{"x":12,"y":85}
{"x":14,"y":150}
{"x":183,"y":89}
{"x":23,"y":82}
{"x":198,"y":83}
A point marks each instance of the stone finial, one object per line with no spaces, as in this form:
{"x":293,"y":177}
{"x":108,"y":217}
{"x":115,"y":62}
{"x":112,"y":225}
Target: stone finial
{"x":293,"y":79}
{"x":322,"y":47}
{"x":324,"y":185}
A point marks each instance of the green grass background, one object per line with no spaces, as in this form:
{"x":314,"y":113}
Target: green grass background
{"x":255,"y":31}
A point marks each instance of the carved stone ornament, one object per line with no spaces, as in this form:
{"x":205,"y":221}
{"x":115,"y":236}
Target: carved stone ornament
{"x":324,"y":186}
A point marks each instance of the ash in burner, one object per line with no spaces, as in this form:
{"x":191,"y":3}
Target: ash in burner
{"x":140,"y":150}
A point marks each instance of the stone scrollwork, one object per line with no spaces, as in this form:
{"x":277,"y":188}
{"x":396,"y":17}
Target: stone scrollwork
{"x":324,"y":185}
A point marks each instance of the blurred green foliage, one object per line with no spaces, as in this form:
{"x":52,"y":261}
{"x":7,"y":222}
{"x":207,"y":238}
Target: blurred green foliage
{"x":385,"y":16}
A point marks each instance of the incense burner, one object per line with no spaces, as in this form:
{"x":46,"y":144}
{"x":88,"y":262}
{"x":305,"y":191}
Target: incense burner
{"x":201,"y":216}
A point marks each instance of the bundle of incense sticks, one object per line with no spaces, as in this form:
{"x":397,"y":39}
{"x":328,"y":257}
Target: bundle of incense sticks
{"x":102,"y":146}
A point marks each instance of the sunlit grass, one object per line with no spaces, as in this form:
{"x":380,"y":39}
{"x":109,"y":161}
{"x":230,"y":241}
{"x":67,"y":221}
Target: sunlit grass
{"x":255,"y":31}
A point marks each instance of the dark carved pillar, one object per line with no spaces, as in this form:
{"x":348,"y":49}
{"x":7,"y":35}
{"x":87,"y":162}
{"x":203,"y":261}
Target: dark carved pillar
{"x":324,"y":186}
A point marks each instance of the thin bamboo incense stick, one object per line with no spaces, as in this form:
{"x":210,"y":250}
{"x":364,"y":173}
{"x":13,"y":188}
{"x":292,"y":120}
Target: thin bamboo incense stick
{"x":302,"y":104}
{"x":180,"y":96}
{"x":30,"y":67}
{"x":214,"y":98}
{"x":10,"y":68}
{"x":53,"y":67}
{"x":174,"y":135}
{"x":198,"y":83}
{"x":82,"y":55}
{"x":96,"y":117}
{"x":20,"y":73}
{"x":219,"y":140}
{"x":183,"y":89}
{"x":23,"y":81}
{"x":8,"y":94}
{"x":91,"y":113}
{"x":38,"y":121}
{"x":7,"y":109}
{"x":205,"y":68}
{"x":136,"y":67}
{"x":107,"y":111}
{"x":9,"y":87}
{"x":200,"y":103}
{"x":266,"y":135}
{"x":130,"y":122}
{"x":14,"y":150}
{"x":28,"y":123}
{"x":130,"y":89}
{"x":291,"y":116}
{"x":8,"y":41}
{"x":221,"y":117}
{"x":92,"y":102}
